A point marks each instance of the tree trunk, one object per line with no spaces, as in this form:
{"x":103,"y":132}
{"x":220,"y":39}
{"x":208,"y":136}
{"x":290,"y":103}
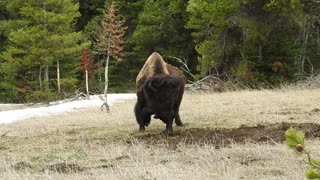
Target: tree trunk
{"x":46,"y":68}
{"x":87,"y":84}
{"x":305,"y":42}
{"x":40,"y":78}
{"x":106,"y":85}
{"x":260,"y":52}
{"x":100,"y":73}
{"x":46,"y":77}
{"x":99,"y":66}
{"x":58,"y":76}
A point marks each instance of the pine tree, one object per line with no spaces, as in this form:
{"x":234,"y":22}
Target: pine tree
{"x":110,"y":41}
{"x":40,"y":40}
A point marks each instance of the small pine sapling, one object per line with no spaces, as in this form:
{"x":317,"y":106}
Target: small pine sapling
{"x":86,"y":65}
{"x":110,"y":41}
{"x":295,"y":141}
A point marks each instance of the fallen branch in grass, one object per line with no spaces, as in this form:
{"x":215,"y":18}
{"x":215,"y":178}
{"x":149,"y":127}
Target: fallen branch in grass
{"x":208,"y":83}
{"x":4,"y":134}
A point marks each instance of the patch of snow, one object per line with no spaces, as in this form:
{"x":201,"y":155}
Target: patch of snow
{"x":59,"y":107}
{"x":8,"y":105}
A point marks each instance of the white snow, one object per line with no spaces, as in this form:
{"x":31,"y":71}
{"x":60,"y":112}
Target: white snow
{"x":59,"y":107}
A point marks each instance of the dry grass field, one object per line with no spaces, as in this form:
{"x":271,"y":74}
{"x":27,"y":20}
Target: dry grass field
{"x":231,"y":135}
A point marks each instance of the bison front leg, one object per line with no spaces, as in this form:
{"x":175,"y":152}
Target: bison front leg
{"x":142,"y":128}
{"x":146,"y":118}
{"x":169,"y":122}
{"x":138,"y":110}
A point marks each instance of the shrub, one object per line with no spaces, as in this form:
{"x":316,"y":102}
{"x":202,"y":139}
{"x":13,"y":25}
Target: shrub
{"x":68,"y":85}
{"x":8,"y":93}
{"x":41,"y":96}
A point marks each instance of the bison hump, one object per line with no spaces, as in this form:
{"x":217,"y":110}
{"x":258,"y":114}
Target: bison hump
{"x":153,"y":66}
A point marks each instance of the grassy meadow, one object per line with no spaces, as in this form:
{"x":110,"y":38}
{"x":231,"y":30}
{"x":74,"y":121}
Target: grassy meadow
{"x":231,"y":135}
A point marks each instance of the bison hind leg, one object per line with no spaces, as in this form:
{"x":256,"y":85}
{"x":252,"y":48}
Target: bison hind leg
{"x":178,"y":120}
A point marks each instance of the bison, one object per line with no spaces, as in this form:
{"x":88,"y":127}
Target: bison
{"x":160,"y":88}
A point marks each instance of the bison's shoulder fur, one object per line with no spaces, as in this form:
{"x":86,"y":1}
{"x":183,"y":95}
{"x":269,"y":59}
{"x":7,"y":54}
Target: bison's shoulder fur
{"x":154,"y":65}
{"x":174,"y":71}
{"x":157,"y":83}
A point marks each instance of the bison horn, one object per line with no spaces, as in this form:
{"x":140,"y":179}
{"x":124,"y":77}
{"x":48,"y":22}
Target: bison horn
{"x":151,"y":87}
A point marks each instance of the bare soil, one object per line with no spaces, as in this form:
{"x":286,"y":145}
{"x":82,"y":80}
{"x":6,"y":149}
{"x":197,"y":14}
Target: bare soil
{"x":222,"y":136}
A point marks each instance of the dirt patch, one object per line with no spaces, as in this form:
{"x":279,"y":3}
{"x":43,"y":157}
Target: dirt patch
{"x":222,"y":137}
{"x":64,"y":168}
{"x":22,"y":166}
{"x":316,"y":110}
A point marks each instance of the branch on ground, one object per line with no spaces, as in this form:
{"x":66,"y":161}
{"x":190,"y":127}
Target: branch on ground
{"x":106,"y":106}
{"x":4,"y":134}
{"x":208,"y":83}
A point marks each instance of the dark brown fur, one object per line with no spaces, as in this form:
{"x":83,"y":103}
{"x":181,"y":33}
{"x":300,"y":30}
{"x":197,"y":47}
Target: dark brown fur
{"x":160,"y":88}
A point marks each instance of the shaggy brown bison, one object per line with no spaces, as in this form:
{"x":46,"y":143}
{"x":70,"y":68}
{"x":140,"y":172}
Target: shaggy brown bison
{"x":160,"y":88}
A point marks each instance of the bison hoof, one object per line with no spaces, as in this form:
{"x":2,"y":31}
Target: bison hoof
{"x":141,"y":129}
{"x":168,"y":132}
{"x":179,"y":124}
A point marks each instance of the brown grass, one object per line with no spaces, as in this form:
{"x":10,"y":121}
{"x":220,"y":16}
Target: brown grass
{"x":91,"y":144}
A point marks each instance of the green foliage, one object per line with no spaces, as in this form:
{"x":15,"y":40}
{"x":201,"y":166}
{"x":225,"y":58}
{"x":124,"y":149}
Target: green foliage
{"x":69,"y":85}
{"x":211,"y":53}
{"x":289,"y":8}
{"x":8,"y":93}
{"x":312,"y":174}
{"x":39,"y":34}
{"x":41,"y":96}
{"x":229,"y":32}
{"x":209,"y":22}
{"x":239,"y":41}
{"x":88,"y":10}
{"x":295,"y":141}
{"x":161,"y":28}
{"x":294,"y":138}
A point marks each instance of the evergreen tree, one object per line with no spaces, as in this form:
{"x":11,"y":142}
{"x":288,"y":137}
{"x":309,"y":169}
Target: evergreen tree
{"x":215,"y":31}
{"x":247,"y":38}
{"x":88,"y":10}
{"x":43,"y":38}
{"x":161,"y":27}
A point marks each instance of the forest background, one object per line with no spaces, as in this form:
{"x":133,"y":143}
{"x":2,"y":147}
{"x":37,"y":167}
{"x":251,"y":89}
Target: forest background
{"x":47,"y":45}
